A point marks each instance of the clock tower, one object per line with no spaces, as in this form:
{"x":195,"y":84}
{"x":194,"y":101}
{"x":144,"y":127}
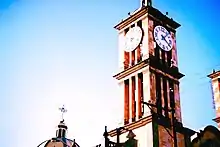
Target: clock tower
{"x":148,"y":72}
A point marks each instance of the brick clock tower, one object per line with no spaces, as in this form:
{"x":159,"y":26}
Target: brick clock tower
{"x":215,"y":81}
{"x":148,"y":72}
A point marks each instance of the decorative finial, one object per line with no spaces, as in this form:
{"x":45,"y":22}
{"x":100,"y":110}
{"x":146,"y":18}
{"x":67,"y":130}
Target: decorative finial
{"x":213,"y":71}
{"x":149,"y":3}
{"x":63,"y":110}
{"x":146,"y":3}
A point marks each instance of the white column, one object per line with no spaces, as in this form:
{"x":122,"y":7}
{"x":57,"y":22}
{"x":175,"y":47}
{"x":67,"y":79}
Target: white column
{"x":136,"y":95}
{"x":121,"y":96}
{"x":149,"y":139}
{"x":121,"y":50}
{"x":216,"y":95}
{"x":146,"y":90}
{"x":130,"y":99}
{"x":144,"y":47}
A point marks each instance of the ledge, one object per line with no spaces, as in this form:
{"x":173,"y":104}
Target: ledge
{"x":131,"y":69}
{"x":214,"y":74}
{"x":139,"y":123}
{"x":155,"y":65}
{"x":158,"y":65}
{"x":217,"y":120}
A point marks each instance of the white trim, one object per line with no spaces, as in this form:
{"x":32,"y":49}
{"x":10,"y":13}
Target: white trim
{"x":128,"y":26}
{"x":134,"y":74}
{"x":130,"y":100}
{"x":216,"y":78}
{"x":136,"y":95}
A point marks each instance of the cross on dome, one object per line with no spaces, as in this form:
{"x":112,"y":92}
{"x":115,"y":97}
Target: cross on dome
{"x":63,"y":110}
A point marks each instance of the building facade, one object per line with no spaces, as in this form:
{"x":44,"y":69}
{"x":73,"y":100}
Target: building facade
{"x":148,"y":78}
{"x":215,"y":83}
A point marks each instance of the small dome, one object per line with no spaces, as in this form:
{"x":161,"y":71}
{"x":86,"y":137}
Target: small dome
{"x":61,"y":142}
{"x":54,"y":144}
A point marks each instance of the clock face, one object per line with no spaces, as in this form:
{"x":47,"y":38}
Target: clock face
{"x":133,"y":38}
{"x":163,"y":38}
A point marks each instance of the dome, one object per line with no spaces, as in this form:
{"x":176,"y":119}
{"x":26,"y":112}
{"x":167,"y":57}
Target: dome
{"x":61,"y":142}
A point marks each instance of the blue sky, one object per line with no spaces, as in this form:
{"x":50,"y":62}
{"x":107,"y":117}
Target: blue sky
{"x":55,"y":52}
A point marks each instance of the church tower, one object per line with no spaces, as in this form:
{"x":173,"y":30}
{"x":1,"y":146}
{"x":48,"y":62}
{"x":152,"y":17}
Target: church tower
{"x":215,"y":83}
{"x":148,"y":72}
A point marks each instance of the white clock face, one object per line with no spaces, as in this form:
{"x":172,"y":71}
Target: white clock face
{"x":133,"y":39}
{"x":163,"y":38}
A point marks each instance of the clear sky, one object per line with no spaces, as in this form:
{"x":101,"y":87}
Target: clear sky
{"x":55,"y":52}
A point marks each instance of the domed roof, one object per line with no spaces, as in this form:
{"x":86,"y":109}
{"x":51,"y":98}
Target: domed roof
{"x":61,"y":142}
{"x":54,"y":144}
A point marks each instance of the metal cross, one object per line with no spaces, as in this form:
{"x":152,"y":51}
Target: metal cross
{"x":63,"y":110}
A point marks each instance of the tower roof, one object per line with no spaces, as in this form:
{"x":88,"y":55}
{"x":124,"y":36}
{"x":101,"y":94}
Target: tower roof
{"x":214,"y":74}
{"x":152,"y":12}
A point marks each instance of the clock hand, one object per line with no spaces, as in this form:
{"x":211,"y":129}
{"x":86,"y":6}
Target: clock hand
{"x":164,"y":38}
{"x":166,"y":35}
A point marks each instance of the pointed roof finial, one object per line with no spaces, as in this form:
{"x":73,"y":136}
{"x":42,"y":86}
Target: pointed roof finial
{"x":146,"y":3}
{"x":213,"y":71}
{"x":63,"y":110}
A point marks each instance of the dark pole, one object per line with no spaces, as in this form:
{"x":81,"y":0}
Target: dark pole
{"x":118,"y":131}
{"x":173,"y":116}
{"x":106,"y":137}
